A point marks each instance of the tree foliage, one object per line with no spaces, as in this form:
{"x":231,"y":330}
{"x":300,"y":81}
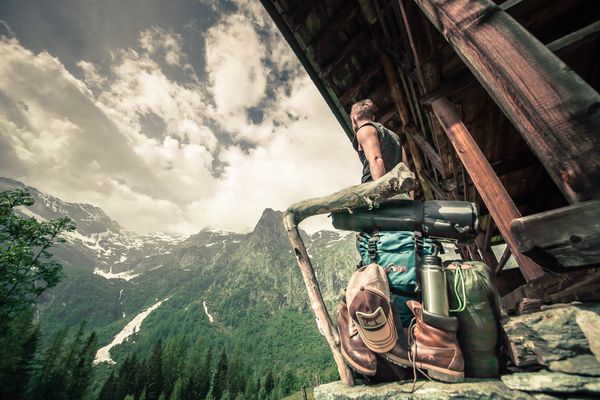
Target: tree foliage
{"x":63,"y":370}
{"x":26,"y":265}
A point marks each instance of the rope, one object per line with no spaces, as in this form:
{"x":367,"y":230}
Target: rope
{"x":459,"y":279}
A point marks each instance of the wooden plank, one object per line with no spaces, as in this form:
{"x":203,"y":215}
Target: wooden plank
{"x":344,"y":55}
{"x":394,"y":87}
{"x":503,"y":260}
{"x":554,"y":110}
{"x":575,"y":40}
{"x":483,"y":244}
{"x":366,"y":77}
{"x":577,"y":285}
{"x":342,"y":16}
{"x":420,"y":45}
{"x":494,"y":195}
{"x":449,"y":88}
{"x":301,"y":12}
{"x":564,"y":237}
{"x":387,"y":116}
{"x":440,"y":193}
{"x":428,"y":151}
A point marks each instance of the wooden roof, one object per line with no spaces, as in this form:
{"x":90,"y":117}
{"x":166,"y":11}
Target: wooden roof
{"x":356,"y":49}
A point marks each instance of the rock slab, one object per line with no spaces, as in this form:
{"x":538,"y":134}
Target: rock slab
{"x":552,"y":335}
{"x":553,"y":382}
{"x":471,"y":389}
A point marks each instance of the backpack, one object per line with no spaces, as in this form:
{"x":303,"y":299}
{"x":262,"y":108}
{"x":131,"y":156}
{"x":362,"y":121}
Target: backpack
{"x":395,"y":252}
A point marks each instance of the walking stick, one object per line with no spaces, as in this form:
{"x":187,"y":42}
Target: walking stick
{"x":398,"y":180}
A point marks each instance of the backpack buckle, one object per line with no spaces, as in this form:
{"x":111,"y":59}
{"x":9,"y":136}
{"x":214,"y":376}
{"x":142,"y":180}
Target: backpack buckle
{"x":372,"y":247}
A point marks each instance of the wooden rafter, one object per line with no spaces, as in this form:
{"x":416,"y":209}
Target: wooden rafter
{"x":349,"y":49}
{"x":560,"y":122}
{"x":497,"y":200}
{"x":575,"y":39}
{"x":342,"y":17}
{"x":366,"y":77}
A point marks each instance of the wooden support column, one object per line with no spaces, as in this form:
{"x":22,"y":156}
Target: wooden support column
{"x":556,"y":112}
{"x":495,"y":197}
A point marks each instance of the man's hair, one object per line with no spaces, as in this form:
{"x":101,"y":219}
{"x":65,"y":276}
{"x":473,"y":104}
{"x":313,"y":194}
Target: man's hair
{"x":364,"y":109}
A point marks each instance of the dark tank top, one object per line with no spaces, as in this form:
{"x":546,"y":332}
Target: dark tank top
{"x":389,"y":144}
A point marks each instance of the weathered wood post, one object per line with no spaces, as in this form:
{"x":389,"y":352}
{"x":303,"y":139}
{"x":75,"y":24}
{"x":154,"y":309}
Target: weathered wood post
{"x":494,"y":195}
{"x":398,"y":180}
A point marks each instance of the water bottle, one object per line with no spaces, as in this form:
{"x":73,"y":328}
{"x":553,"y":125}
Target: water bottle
{"x":433,"y":286}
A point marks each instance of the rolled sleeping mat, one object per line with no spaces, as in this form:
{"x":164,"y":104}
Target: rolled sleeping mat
{"x":447,"y":219}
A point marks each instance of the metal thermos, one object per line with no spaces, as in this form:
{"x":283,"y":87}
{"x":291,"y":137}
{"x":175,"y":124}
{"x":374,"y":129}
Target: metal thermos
{"x":433,"y":286}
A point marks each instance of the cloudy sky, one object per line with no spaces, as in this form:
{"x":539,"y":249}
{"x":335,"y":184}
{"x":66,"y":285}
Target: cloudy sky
{"x":171,"y":116}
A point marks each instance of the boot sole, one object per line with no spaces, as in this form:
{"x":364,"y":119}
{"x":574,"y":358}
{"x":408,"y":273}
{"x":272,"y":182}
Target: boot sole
{"x":355,"y":366}
{"x":437,"y":373}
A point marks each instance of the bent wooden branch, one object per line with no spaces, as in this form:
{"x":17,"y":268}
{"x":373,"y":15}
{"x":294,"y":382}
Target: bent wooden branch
{"x":398,"y":180}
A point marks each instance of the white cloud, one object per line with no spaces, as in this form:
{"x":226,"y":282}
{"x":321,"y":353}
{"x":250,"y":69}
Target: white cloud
{"x":87,"y":140}
{"x":307,"y":158}
{"x":238,"y":76}
{"x":156,"y":40}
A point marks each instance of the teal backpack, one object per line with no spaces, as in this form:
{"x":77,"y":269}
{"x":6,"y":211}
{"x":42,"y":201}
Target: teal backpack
{"x":396,"y":253}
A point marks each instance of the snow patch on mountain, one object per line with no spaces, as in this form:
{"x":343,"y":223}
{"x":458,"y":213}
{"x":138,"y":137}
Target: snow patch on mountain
{"x":103,"y":355}
{"x":126,"y":275}
{"x":29,"y":213}
{"x":210,"y":317}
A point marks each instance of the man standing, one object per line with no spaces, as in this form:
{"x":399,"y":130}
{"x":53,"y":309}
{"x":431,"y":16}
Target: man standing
{"x":434,"y":345}
{"x":379,"y":149}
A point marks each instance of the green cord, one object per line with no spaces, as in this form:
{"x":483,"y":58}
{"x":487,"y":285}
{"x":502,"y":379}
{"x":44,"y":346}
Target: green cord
{"x":462,"y":302}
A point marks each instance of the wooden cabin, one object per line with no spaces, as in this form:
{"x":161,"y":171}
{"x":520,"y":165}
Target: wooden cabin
{"x":496,"y":103}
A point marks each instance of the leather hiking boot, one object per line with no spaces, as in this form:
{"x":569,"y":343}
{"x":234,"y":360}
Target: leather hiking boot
{"x":357,"y":355}
{"x":434,"y":346}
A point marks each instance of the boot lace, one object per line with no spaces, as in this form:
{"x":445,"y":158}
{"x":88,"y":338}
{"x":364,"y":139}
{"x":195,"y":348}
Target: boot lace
{"x":412,"y":355}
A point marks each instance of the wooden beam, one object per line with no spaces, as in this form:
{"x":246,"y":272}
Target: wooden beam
{"x":578,"y":285}
{"x":450,"y":87}
{"x":428,"y":73}
{"x":366,"y":77}
{"x":439,"y":192}
{"x":494,"y":195}
{"x":564,"y":237}
{"x":429,"y":151}
{"x":503,"y":260}
{"x":482,"y":240}
{"x":348,"y":50}
{"x":387,"y":116}
{"x":301,"y":12}
{"x":342,"y":16}
{"x":554,"y":110}
{"x":575,"y":40}
{"x":380,"y":94}
{"x":394,"y":87}
{"x":508,"y":4}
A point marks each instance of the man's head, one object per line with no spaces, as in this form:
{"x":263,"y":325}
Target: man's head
{"x":361,"y":111}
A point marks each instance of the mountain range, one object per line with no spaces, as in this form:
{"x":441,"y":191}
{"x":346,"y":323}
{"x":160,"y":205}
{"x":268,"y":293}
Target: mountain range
{"x":239,"y":290}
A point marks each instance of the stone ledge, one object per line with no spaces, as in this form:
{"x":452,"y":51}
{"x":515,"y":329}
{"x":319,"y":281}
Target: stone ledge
{"x":471,"y":389}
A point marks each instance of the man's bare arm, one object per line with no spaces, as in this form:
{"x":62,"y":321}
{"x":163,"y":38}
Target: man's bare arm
{"x":367,"y":139}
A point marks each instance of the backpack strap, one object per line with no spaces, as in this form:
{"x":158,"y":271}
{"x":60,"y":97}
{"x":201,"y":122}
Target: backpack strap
{"x":418,"y":236}
{"x":372,"y":247}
